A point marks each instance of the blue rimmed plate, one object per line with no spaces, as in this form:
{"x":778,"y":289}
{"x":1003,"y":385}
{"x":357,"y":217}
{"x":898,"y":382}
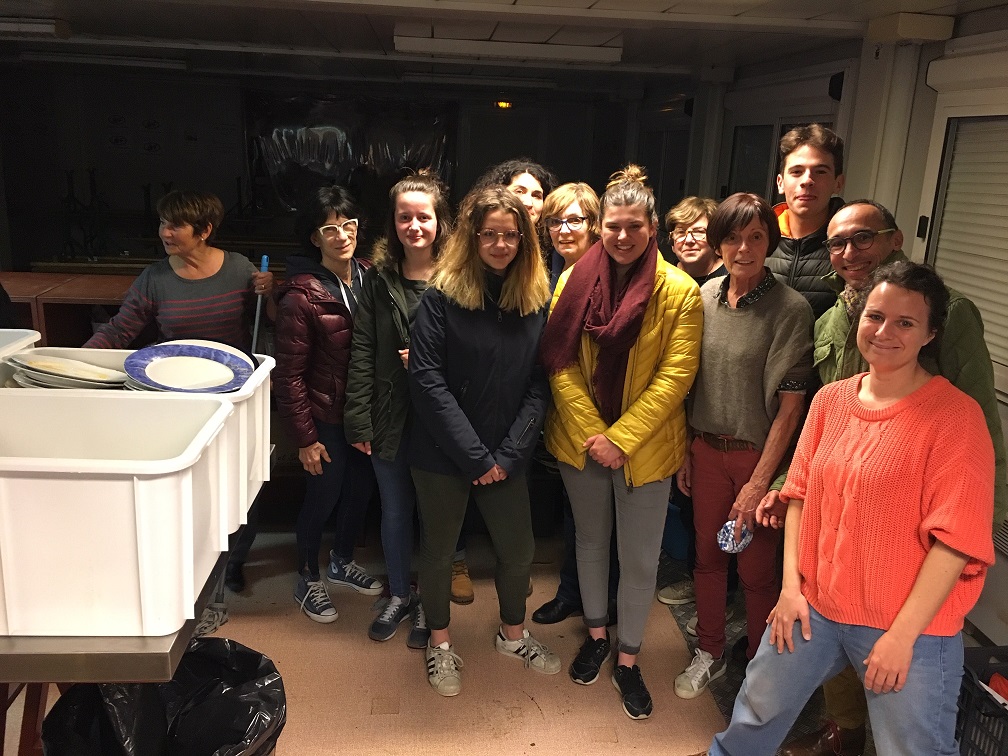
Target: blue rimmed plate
{"x":187,"y":368}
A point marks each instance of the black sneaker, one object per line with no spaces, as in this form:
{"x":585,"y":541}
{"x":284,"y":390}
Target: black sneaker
{"x":586,"y":666}
{"x":385,"y":625}
{"x":630,"y":684}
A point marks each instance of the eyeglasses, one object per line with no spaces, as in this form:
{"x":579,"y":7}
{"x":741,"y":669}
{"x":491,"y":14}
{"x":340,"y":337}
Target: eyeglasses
{"x":573,"y":223}
{"x":698,"y":234}
{"x":859,"y":240}
{"x":347,"y":227}
{"x":488,"y":237}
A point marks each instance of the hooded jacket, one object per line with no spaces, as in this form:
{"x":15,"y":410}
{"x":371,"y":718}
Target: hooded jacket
{"x":313,"y":335}
{"x":803,"y":263}
{"x":377,"y":394}
{"x":478,"y":391}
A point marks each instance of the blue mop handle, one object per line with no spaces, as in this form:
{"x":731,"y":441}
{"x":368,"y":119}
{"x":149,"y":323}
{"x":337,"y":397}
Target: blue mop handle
{"x":263,"y":267}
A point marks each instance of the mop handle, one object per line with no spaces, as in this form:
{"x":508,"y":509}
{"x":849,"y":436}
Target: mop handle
{"x":263,"y":267}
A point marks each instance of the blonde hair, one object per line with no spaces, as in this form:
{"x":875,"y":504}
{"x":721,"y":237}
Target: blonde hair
{"x":566,"y":195}
{"x":628,"y":188}
{"x":460,"y":272}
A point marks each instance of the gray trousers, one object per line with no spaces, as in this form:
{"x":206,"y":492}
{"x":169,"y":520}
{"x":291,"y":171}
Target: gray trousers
{"x":640,"y":521}
{"x":442,"y":500}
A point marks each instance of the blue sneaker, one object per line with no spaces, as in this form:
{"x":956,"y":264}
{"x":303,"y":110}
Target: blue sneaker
{"x":385,"y":625}
{"x":419,"y":634}
{"x":350,"y":575}
{"x":314,"y":600}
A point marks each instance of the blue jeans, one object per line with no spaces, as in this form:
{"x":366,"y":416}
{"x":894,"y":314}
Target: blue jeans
{"x":919,"y":719}
{"x":347,"y":481}
{"x":398,"y":501}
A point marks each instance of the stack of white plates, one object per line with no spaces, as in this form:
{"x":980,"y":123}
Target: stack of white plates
{"x":37,"y":371}
{"x":189,"y":366}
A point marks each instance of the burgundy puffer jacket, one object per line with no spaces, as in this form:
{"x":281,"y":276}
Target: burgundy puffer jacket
{"x":313,"y":335}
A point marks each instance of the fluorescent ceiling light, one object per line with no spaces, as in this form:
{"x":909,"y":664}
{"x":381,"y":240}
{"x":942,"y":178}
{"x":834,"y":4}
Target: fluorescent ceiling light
{"x":106,"y":60}
{"x":466,"y":48}
{"x":477,"y":81}
{"x":34,"y":27}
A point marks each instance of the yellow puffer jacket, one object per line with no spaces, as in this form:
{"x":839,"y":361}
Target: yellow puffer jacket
{"x":660,"y":371}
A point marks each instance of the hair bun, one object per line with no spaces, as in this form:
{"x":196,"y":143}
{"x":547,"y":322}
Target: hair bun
{"x":631,"y":174}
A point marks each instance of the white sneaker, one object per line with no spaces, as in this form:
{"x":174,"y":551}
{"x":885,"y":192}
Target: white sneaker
{"x":691,"y":624}
{"x":443,"y":666}
{"x":535,"y":654}
{"x":694,"y":679}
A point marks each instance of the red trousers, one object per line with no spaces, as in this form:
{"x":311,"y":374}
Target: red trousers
{"x":717,"y":479}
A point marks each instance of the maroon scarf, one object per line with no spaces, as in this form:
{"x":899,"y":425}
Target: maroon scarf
{"x":612,"y":319}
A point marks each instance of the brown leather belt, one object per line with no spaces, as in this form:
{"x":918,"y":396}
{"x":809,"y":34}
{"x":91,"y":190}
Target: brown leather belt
{"x":725,"y":443}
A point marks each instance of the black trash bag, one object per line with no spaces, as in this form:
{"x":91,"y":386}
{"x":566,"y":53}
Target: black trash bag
{"x":225,"y":699}
{"x":106,"y":720}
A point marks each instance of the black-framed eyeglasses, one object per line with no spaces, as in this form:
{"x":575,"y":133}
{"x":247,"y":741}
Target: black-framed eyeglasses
{"x":347,"y":227}
{"x":698,"y":234}
{"x":488,"y":237}
{"x":573,"y":223}
{"x":859,"y":240}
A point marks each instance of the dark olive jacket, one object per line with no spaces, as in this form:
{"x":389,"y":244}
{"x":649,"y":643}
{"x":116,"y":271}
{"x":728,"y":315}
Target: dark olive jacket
{"x":377,"y":395}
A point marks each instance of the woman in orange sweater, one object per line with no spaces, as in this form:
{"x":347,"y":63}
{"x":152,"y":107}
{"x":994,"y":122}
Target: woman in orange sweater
{"x":886,"y":540}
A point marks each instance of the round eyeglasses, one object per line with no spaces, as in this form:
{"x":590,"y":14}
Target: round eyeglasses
{"x":859,"y":240}
{"x":574,"y":223}
{"x":488,"y":237}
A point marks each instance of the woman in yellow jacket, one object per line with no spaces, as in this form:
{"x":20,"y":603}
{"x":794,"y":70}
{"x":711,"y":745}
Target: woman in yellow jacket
{"x":622,"y":348}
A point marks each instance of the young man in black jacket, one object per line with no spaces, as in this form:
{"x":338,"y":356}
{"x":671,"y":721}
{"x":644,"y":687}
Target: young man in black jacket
{"x":811,"y":175}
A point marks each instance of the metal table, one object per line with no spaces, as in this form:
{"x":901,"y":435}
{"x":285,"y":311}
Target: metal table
{"x":33,"y":663}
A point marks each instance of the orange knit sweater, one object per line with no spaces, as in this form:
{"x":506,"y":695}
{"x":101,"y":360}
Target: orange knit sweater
{"x":879,"y":487}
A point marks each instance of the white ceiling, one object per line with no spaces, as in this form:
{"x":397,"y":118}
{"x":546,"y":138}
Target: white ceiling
{"x":664,"y":42}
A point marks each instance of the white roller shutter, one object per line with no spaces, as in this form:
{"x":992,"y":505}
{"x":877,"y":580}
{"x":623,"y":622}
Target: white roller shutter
{"x":969,"y":245}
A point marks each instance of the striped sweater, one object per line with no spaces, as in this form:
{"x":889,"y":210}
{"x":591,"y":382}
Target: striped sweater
{"x":217,"y":308}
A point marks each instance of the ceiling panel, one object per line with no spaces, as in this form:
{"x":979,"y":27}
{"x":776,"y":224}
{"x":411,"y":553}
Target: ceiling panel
{"x":300,"y":36}
{"x":806,"y":9}
{"x":579,"y":35}
{"x":715,"y":7}
{"x":879,"y":8}
{"x":649,"y":6}
{"x":558,"y":3}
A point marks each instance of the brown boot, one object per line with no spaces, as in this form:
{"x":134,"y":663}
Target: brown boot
{"x":461,"y":584}
{"x":828,"y":740}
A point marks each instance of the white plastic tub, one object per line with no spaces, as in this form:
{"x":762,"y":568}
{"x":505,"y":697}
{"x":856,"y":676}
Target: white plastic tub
{"x":245,"y":447}
{"x":110,"y":495}
{"x":15,"y":339}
